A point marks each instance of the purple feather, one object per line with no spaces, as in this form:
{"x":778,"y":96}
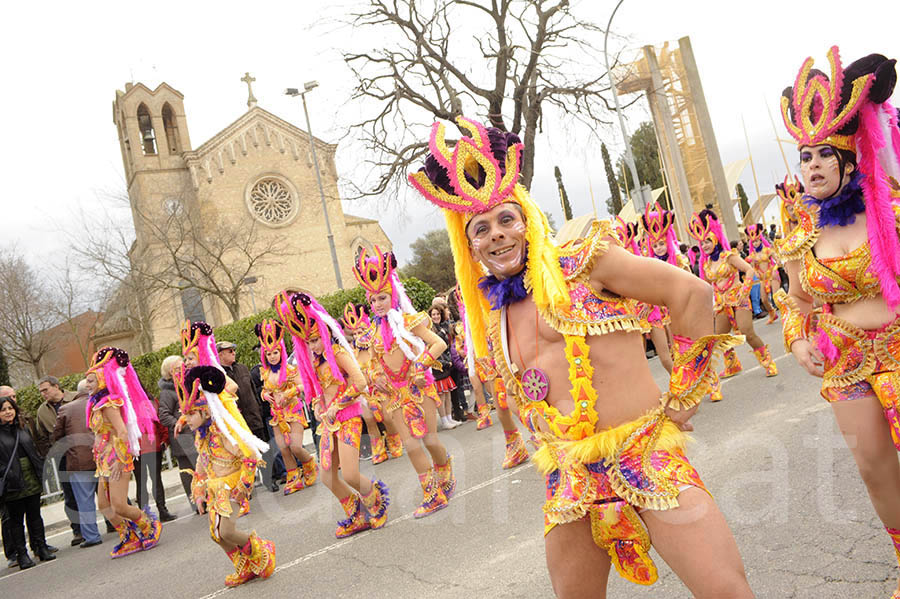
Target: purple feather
{"x":840,"y":210}
{"x":503,"y":292}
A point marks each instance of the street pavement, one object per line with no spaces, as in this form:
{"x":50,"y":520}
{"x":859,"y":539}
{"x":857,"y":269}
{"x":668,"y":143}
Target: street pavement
{"x":770,"y":453}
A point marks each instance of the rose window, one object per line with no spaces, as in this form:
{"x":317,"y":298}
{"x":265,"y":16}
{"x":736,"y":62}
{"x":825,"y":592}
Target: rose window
{"x":272,"y":202}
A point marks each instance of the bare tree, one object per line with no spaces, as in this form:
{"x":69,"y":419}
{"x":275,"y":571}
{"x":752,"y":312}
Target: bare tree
{"x":530,"y":54}
{"x":25,"y":311}
{"x":72,"y":308}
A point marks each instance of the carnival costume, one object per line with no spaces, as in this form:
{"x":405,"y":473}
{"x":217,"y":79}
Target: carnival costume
{"x":764,"y":260}
{"x":356,"y":321}
{"x":307,"y":320}
{"x":118,"y":388}
{"x":850,"y":112}
{"x":605,"y":475}
{"x":730,"y":294}
{"x":377,"y":274}
{"x":282,"y":378}
{"x":486,"y":370}
{"x":222,"y":476}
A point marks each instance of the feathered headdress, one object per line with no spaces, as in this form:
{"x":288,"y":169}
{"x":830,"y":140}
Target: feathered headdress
{"x":355,"y":318}
{"x":202,"y":387}
{"x":850,"y":110}
{"x":706,"y":225}
{"x":756,"y":236}
{"x":271,"y":337}
{"x":628,"y":235}
{"x":478,"y":174}
{"x":115,"y":373}
{"x":790,"y":193}
{"x":658,"y":225}
{"x":306,"y":320}
{"x":378,"y":274}
{"x":198,"y":337}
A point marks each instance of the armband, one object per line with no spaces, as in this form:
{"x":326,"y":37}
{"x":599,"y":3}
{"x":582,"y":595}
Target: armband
{"x":795,"y":324}
{"x":426,"y":361}
{"x":694,"y":368}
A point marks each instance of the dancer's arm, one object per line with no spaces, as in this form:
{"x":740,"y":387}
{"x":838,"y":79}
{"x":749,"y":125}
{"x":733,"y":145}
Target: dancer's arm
{"x":796,"y":321}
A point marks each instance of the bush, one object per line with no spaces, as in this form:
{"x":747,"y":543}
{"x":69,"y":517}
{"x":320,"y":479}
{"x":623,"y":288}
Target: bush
{"x":240,"y":332}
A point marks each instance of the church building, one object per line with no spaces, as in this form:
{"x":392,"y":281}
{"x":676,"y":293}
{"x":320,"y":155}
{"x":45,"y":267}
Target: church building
{"x":221,"y":227}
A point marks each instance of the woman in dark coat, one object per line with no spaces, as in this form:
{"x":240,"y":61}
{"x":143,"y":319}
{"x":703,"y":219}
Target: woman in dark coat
{"x":22,"y":484}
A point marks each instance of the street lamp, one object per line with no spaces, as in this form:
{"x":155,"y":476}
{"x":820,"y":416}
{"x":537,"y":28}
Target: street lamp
{"x":629,"y":157}
{"x":294,"y":92}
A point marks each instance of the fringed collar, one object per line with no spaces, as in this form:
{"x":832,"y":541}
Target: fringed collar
{"x":98,"y":397}
{"x":503,"y":292}
{"x":664,"y":257}
{"x":714,"y":256}
{"x":840,"y":210}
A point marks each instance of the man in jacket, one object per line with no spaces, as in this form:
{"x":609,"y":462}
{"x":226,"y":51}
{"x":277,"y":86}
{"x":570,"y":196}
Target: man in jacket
{"x":246,"y":396}
{"x":44,"y":424}
{"x":72,"y":433}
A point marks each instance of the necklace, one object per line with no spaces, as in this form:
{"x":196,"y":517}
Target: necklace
{"x":535,"y":383}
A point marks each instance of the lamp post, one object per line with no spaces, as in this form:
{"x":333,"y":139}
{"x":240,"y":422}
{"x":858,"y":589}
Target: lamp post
{"x":629,"y":157}
{"x":294,"y":92}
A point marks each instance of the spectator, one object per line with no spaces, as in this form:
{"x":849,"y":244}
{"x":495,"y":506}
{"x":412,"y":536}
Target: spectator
{"x":23,"y":469}
{"x":148,"y":466}
{"x":73,"y":434}
{"x":182,"y":444}
{"x":443,"y":382}
{"x":246,"y":396}
{"x":44,"y":425}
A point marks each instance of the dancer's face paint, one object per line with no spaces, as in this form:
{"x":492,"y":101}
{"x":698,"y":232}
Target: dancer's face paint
{"x":819,"y":169}
{"x":381,"y":303}
{"x":498,"y":240}
{"x":660,"y":247}
{"x":273,"y":356}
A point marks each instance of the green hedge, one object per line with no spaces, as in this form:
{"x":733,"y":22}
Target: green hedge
{"x":240,"y":332}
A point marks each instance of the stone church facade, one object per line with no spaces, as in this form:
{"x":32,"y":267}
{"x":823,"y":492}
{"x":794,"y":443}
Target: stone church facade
{"x":255,"y":175}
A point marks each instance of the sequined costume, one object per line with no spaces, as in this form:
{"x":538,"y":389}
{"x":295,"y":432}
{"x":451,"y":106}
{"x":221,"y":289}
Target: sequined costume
{"x":602,"y":475}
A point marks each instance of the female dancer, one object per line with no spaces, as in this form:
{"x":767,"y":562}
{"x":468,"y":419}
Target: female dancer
{"x":332,"y":379}
{"x":400,"y":348}
{"x":227,"y":457}
{"x":661,"y":242}
{"x":119,"y":413}
{"x":848,"y":258}
{"x":485,"y":369}
{"x":281,"y":391}
{"x":719,"y":266}
{"x":356,"y":322}
{"x":764,"y":260}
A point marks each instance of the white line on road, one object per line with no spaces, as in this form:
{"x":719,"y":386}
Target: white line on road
{"x":362,"y":535}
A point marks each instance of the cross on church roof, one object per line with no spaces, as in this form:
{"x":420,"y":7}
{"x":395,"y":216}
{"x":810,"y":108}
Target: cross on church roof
{"x":251,"y":99}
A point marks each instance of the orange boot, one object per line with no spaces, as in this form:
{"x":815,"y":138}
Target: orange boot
{"x":732,"y":364}
{"x":445,"y":477}
{"x":294,"y":481}
{"x":356,"y":519}
{"x":433,"y":498}
{"x":379,"y":453}
{"x":516,"y":452}
{"x":241,"y":564}
{"x":129,"y":542}
{"x":715,"y":394}
{"x":395,"y":445}
{"x":765,"y":360}
{"x":773,"y":316}
{"x":149,"y":529}
{"x":376,"y":503}
{"x":484,"y":417}
{"x":310,"y":472}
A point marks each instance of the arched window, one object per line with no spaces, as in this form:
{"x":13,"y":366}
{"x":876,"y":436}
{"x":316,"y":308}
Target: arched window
{"x":171,"y":128}
{"x":192,"y":304}
{"x":148,"y":137}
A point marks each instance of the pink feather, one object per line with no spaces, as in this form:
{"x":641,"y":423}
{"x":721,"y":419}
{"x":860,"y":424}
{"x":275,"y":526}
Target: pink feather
{"x":827,"y":347}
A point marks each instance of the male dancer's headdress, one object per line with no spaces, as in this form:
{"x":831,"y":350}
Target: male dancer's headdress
{"x":659,"y":224}
{"x":377,"y":273}
{"x":849,"y":110}
{"x":271,"y":337}
{"x":307,"y":320}
{"x":478,"y":174}
{"x":115,"y":373}
{"x":200,"y":387}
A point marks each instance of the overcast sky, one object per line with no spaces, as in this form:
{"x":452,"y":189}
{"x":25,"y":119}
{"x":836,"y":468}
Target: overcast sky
{"x":64,"y":62}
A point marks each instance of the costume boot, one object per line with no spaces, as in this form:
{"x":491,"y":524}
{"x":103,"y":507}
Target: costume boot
{"x":242,"y":571}
{"x":433,"y":498}
{"x":379,"y":453}
{"x":260,"y":555}
{"x":294,"y":482}
{"x":484,"y":417}
{"x":516,"y":452}
{"x":355,"y":521}
{"x":445,"y":477}
{"x":129,"y":541}
{"x":395,"y":445}
{"x":149,"y":529}
{"x":773,"y":316}
{"x":376,"y":503}
{"x":715,"y":394}
{"x":732,"y":364}
{"x":765,"y":360}
{"x":895,"y":537}
{"x":310,"y":472}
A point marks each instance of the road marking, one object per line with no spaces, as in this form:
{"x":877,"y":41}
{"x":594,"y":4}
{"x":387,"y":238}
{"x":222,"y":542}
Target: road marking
{"x":393,"y":522}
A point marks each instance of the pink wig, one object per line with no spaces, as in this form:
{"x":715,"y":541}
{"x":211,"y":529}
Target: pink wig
{"x":658,"y":224}
{"x":198,"y":336}
{"x":703,"y":226}
{"x":271,"y":336}
{"x":756,"y":232}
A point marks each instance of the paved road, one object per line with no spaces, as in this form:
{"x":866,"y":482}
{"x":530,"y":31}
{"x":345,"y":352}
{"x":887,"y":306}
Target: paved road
{"x":770,"y":453}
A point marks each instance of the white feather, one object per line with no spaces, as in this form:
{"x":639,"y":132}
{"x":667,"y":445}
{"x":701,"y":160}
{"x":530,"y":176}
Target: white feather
{"x":229,"y":426}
